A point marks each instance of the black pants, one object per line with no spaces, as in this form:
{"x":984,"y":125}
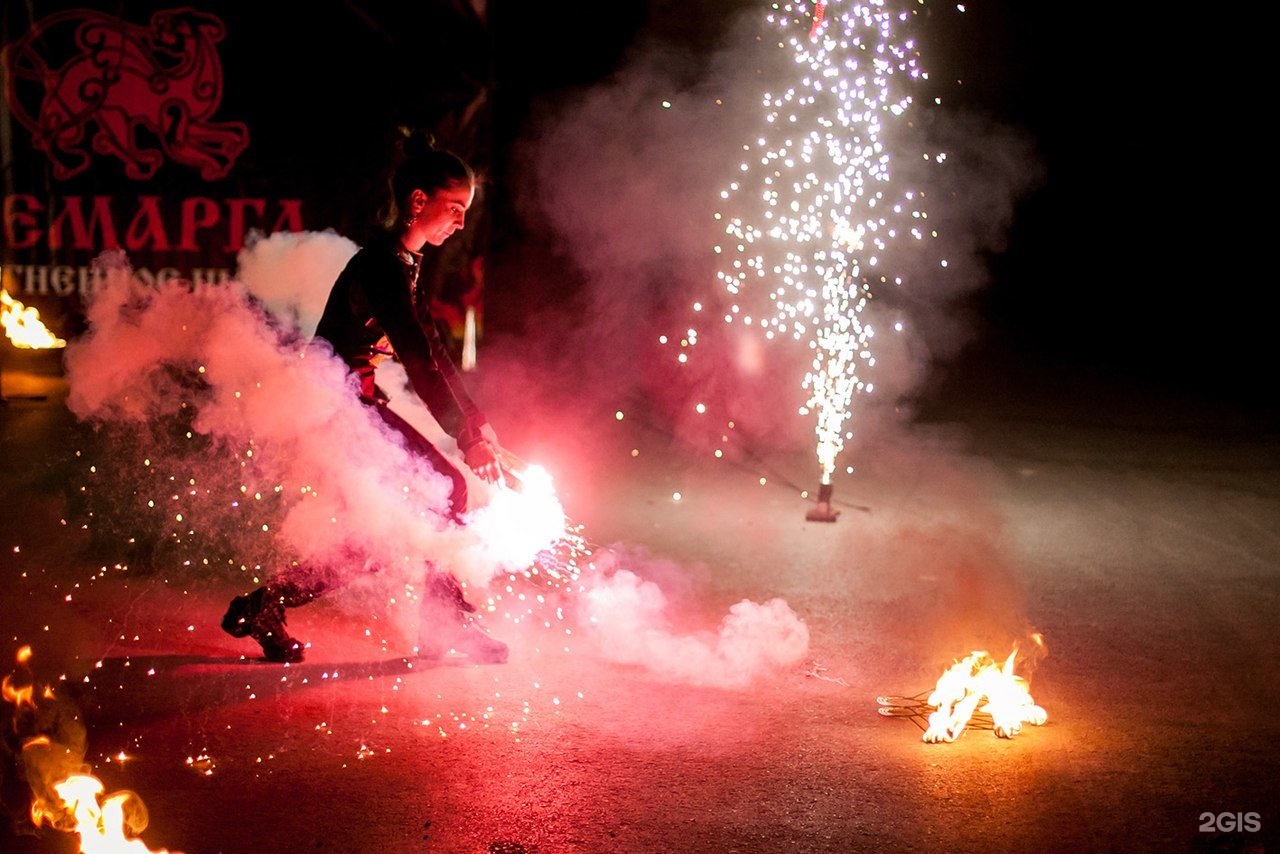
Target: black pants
{"x":299,"y":585}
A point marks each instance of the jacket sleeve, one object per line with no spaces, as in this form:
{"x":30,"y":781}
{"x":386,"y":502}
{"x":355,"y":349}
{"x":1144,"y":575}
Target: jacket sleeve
{"x":432,"y":373}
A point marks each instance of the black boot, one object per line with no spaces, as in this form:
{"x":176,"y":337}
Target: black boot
{"x":444,"y":588}
{"x":260,"y":615}
{"x":447,"y":626}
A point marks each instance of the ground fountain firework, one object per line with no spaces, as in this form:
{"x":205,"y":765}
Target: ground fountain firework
{"x":815,"y":219}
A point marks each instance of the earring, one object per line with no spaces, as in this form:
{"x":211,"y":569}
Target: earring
{"x":410,"y":220}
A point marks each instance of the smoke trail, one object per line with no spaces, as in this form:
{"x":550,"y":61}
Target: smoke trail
{"x":269,"y":411}
{"x":264,"y":414}
{"x":627,"y":616}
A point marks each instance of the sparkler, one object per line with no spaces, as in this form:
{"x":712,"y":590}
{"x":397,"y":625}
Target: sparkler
{"x":559,"y":550}
{"x":814,"y":214}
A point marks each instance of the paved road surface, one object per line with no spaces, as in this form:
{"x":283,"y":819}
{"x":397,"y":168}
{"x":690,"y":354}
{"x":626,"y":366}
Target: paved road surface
{"x":1142,"y":538}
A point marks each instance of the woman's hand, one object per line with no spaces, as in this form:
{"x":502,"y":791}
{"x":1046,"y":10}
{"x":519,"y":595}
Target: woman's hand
{"x":482,"y":458}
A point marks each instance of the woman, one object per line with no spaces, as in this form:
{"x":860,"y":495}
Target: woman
{"x":372,"y":314}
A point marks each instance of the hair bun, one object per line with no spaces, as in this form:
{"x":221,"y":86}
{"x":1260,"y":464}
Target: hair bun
{"x":416,"y":142}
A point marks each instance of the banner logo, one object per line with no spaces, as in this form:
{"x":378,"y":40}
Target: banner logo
{"x":85,"y":83}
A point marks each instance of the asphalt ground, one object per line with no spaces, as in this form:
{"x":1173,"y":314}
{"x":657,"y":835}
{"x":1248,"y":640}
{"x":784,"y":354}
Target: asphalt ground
{"x":1140,"y":536}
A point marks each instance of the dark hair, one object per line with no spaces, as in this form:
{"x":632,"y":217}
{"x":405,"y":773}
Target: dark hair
{"x":424,"y":167}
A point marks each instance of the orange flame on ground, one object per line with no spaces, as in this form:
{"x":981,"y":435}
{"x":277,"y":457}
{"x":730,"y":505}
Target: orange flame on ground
{"x":73,"y":803}
{"x":24,"y":327}
{"x":960,"y":692}
{"x":101,"y":825}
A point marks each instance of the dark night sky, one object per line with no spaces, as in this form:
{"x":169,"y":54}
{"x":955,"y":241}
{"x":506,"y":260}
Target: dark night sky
{"x":1140,"y":212}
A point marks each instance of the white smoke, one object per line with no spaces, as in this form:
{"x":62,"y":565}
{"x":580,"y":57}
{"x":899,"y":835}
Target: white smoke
{"x":627,"y":617}
{"x":353,"y":497}
{"x":291,"y":273}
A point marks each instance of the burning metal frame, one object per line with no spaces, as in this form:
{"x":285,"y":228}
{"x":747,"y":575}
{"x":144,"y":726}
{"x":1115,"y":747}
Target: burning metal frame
{"x":917,"y":709}
{"x":976,"y":691}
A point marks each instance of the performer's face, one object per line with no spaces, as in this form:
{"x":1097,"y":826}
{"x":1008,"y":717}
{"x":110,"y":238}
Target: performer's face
{"x":445,"y":212}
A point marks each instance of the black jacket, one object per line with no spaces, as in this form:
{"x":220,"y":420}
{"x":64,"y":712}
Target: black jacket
{"x":371,"y":315}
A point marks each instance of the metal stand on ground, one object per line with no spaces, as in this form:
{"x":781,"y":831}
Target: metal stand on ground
{"x":823,"y":512}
